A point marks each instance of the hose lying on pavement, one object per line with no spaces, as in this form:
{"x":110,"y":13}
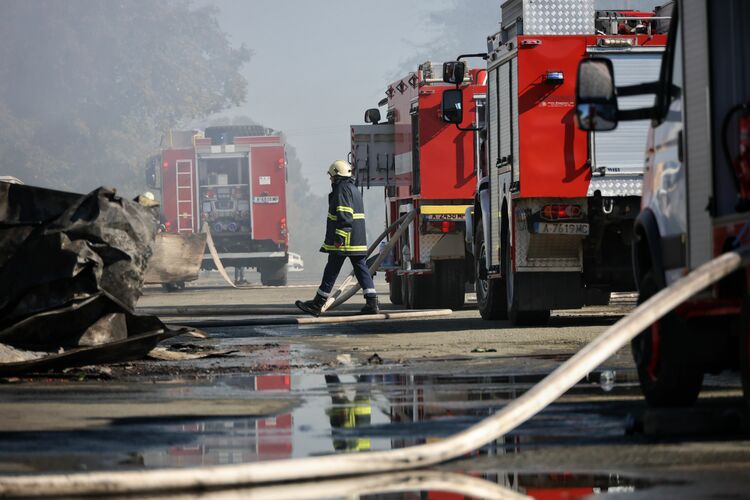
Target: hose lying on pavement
{"x":347,"y":289}
{"x":508,"y":418}
{"x":306,"y":320}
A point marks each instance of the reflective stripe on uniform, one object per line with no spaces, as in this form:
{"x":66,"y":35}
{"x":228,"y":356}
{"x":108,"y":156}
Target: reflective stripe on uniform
{"x":345,"y":209}
{"x":345,"y":248}
{"x":358,"y":216}
{"x":346,"y":235}
{"x":331,"y":217}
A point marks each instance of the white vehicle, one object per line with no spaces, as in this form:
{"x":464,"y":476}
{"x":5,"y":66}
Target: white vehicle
{"x":295,"y":263}
{"x":696,"y":192}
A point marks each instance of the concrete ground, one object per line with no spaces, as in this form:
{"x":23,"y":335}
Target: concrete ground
{"x":263,"y":392}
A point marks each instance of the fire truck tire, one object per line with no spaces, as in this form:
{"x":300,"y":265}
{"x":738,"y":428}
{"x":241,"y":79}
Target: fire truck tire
{"x":421,"y":291}
{"x":405,"y":296}
{"x":273,"y":274}
{"x":745,"y":352}
{"x":667,"y":378}
{"x":450,"y":284}
{"x":173,"y":287}
{"x":490,"y":293}
{"x":516,"y":315}
{"x":395,"y":290}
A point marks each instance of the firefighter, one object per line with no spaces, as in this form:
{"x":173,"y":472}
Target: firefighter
{"x":345,"y":237}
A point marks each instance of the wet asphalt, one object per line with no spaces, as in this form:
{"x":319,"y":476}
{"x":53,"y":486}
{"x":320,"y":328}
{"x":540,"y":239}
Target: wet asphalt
{"x":281,"y":392}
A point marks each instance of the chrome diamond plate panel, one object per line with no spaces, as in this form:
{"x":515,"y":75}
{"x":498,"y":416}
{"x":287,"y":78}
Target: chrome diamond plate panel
{"x":545,"y":252}
{"x":616,"y":185}
{"x":558,"y":17}
{"x":426,"y":243}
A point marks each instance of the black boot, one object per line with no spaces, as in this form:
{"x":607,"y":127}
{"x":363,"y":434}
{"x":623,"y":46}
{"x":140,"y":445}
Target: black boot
{"x":313,"y":306}
{"x":371,"y":305}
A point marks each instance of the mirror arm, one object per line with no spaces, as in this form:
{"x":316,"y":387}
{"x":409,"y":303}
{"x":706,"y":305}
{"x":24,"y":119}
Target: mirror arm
{"x":636,"y":114}
{"x":467,"y":129}
{"x":483,"y":55}
{"x":638,"y":89}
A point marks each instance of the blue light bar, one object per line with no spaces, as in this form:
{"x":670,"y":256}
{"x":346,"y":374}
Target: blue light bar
{"x":555,"y":77}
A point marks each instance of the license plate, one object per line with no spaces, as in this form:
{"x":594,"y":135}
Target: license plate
{"x":575,"y":228}
{"x":265,"y":199}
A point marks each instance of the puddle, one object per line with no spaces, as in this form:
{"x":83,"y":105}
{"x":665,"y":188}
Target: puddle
{"x":337,"y":413}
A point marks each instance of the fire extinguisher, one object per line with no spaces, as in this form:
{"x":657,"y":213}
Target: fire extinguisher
{"x":741,"y":164}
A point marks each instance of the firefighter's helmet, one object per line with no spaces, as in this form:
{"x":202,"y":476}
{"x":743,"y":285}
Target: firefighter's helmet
{"x":340,"y":168}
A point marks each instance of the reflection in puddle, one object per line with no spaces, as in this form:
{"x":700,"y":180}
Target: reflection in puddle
{"x":351,"y":413}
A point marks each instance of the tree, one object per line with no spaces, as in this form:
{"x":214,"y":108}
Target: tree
{"x":461,"y":27}
{"x":87,"y":87}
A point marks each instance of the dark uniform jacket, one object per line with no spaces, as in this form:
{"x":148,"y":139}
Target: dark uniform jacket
{"x":346,"y":220}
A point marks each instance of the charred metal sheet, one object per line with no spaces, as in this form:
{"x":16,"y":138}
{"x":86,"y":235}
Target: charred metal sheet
{"x":71,"y":272}
{"x":128,"y":349}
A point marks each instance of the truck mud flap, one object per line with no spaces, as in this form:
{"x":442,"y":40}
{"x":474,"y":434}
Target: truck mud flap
{"x":177,"y":257}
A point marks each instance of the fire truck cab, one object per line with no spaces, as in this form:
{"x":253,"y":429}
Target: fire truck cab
{"x":696,"y":195}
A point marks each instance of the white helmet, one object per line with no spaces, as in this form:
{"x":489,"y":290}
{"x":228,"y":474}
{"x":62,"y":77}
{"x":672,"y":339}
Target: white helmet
{"x":340,"y":168}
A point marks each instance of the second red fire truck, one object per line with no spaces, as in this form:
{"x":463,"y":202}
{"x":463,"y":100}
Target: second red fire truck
{"x":231,"y":181}
{"x":428,"y":165}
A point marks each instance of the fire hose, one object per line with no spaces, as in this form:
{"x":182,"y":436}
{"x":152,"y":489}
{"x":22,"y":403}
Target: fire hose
{"x":491,"y":428}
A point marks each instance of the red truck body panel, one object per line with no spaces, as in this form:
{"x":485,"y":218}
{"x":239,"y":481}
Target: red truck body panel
{"x":269,"y":194}
{"x":553,"y":164}
{"x":446,"y":154}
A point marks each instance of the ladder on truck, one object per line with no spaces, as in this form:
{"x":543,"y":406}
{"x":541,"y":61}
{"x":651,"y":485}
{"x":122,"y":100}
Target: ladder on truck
{"x":185,"y":196}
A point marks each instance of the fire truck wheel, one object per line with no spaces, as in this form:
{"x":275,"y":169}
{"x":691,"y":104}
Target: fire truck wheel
{"x":421,"y":291}
{"x":450,"y":284}
{"x":490,"y":293}
{"x":667,"y":377}
{"x":173,"y":287}
{"x":515,"y":314}
{"x":395,"y":291}
{"x":405,"y":291}
{"x":273,"y":274}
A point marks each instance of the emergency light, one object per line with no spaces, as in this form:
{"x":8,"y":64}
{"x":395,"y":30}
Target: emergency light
{"x":555,"y":77}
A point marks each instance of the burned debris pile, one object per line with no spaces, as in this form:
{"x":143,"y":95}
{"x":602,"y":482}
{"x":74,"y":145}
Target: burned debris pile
{"x":71,"y":272}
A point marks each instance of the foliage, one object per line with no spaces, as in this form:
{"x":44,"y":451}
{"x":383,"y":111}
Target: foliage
{"x":461,"y":27}
{"x":87,"y":87}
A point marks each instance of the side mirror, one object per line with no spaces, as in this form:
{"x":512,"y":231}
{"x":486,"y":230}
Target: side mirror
{"x":453,"y":72}
{"x":451,"y":106}
{"x":372,"y":115}
{"x":596,"y":97}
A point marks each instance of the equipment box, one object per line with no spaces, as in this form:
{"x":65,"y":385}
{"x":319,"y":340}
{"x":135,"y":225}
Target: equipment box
{"x":373,"y":154}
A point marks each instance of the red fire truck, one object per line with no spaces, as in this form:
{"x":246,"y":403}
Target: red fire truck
{"x":230,"y":180}
{"x":554,"y":207}
{"x":428,"y":165}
